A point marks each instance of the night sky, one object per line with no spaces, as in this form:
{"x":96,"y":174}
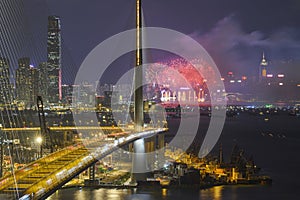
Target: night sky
{"x":234,"y":32}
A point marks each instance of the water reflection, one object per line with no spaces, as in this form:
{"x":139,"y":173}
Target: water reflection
{"x":212,"y":193}
{"x":80,"y":194}
{"x":164,"y":192}
{"x":217,"y":192}
{"x":95,"y":194}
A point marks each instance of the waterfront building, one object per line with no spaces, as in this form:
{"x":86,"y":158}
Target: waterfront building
{"x":82,"y":95}
{"x":67,"y":91}
{"x":86,"y":95}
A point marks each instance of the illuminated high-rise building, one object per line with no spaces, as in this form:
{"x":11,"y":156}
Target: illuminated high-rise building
{"x":34,"y":83}
{"x":6,"y":96}
{"x":26,"y":82}
{"x":54,"y":59}
{"x":43,"y":81}
{"x":67,"y":91}
{"x":263,"y":68}
{"x":22,"y":82}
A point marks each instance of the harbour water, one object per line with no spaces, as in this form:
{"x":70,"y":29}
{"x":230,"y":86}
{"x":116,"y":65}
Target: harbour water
{"x":274,"y":144}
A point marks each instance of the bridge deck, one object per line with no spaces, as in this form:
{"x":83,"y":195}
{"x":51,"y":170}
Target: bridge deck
{"x":14,"y":186}
{"x":44,"y":176}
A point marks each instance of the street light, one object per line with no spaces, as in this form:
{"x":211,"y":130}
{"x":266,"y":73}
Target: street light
{"x":39,"y":141}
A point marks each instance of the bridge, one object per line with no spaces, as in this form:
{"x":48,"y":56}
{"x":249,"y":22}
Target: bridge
{"x":41,"y":178}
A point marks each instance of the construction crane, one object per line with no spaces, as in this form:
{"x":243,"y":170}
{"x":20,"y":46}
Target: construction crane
{"x":47,"y":142}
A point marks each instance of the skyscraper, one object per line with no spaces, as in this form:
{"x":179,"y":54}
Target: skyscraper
{"x":43,"y":81}
{"x":54,"y":59}
{"x":263,"y":68}
{"x":26,"y":82}
{"x":22,"y":80}
{"x":6,"y":96}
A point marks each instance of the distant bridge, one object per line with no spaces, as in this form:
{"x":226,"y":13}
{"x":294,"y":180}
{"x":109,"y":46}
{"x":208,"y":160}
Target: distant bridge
{"x":43,"y":177}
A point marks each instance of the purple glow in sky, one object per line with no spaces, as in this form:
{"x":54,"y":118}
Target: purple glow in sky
{"x":234,"y":32}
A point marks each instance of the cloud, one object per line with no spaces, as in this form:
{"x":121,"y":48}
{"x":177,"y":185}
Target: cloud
{"x":233,"y":48}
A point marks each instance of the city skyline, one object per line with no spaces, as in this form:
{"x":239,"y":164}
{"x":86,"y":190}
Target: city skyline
{"x":234,"y":40}
{"x":72,"y":127}
{"x":47,"y":78}
{"x":25,"y":83}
